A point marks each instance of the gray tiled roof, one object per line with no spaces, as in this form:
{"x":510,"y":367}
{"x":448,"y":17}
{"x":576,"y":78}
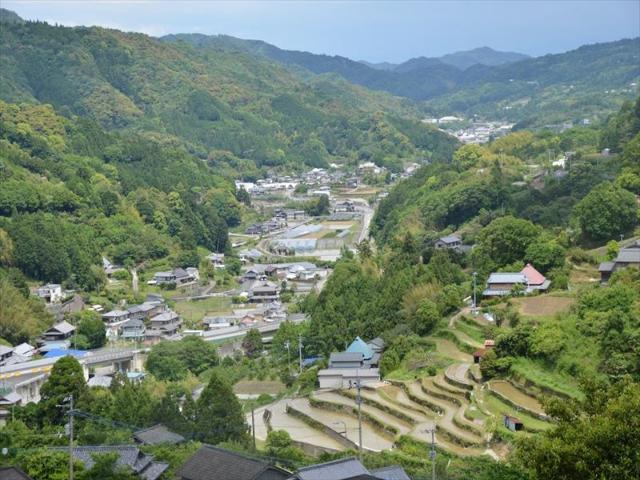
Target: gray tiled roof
{"x":13,"y":473}
{"x":337,"y":470}
{"x":63,"y":327}
{"x":346,"y":357}
{"x":128,"y":455}
{"x":628,"y":255}
{"x":450,"y":239}
{"x":216,"y":463}
{"x":157,"y":434}
{"x":500,"y":277}
{"x":390,"y":473}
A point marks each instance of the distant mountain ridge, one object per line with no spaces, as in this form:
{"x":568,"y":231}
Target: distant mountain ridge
{"x":589,"y":82}
{"x":461,"y":60}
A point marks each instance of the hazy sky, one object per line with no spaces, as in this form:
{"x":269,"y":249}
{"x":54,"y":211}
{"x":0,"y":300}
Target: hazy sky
{"x":368,"y":30}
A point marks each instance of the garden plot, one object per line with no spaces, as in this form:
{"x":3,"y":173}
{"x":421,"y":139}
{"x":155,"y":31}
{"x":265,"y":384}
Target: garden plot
{"x":543,"y":305}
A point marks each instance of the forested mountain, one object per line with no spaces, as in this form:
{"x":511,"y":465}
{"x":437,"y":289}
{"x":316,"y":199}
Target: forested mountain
{"x":463,"y":60}
{"x":235,"y":110}
{"x":591,"y":81}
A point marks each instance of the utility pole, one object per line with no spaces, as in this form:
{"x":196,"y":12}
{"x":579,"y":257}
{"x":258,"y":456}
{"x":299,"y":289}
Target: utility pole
{"x":358,"y":403}
{"x":300,"y":350}
{"x":253,"y":426}
{"x":71,"y":437}
{"x":475,"y":303}
{"x":432,"y":451}
{"x":288,"y":345}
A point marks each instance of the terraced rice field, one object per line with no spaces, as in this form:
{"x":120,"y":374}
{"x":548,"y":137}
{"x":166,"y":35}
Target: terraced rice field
{"x":450,"y":350}
{"x":298,"y":430}
{"x":462,"y":409}
{"x":518,"y":397}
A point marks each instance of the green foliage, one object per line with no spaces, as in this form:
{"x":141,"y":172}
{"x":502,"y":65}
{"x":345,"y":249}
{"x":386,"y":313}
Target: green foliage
{"x":606,"y":212}
{"x":66,"y":378}
{"x":219,"y":416}
{"x":252,"y":343}
{"x":595,"y":438}
{"x":21,"y":318}
{"x":91,"y":327}
{"x":172,"y":360}
{"x":47,"y":464}
{"x":105,"y":467}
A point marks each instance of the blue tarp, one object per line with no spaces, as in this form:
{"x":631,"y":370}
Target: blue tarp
{"x":58,"y":352}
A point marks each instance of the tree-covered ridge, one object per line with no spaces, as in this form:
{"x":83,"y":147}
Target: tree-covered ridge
{"x":71,"y":192}
{"x":230,"y":108}
{"x":482,"y":179}
{"x":588,"y":82}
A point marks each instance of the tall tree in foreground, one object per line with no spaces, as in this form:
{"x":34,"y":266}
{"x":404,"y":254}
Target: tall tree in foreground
{"x":67,"y":378}
{"x":597,"y":438}
{"x":219,"y":415}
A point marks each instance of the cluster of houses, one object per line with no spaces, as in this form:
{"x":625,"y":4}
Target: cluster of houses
{"x":270,"y":312}
{"x":627,"y":257}
{"x":211,"y":462}
{"x":151,"y":320}
{"x":357,"y":364}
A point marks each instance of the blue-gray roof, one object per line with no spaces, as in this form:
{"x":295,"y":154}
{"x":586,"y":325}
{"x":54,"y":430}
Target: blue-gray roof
{"x":336,"y":470}
{"x":507,"y":278}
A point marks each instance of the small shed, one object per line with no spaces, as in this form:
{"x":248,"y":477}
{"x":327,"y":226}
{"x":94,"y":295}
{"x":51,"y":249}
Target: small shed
{"x":478,"y":354}
{"x":513,"y":423}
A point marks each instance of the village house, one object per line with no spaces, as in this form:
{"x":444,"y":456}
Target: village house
{"x":450,"y":241}
{"x":50,"y":293}
{"x":115,"y":318}
{"x":216,"y":259}
{"x":5,"y":353}
{"x":503,"y":283}
{"x":338,"y":378}
{"x":179,"y":276}
{"x":250,"y":255}
{"x":349,"y":469}
{"x":346,"y":360}
{"x":214,"y":323}
{"x":346,"y":206}
{"x":264,"y":291}
{"x":128,"y":456}
{"x":133,"y":329}
{"x":157,"y":435}
{"x":165,"y":324}
{"x":109,"y":268}
{"x":8,"y":400}
{"x":146,"y":310}
{"x":58,"y":333}
{"x":627,"y":257}
{"x":211,"y":462}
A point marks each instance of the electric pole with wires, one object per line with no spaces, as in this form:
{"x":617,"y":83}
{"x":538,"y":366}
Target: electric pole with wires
{"x":357,"y":385}
{"x":71,"y":412}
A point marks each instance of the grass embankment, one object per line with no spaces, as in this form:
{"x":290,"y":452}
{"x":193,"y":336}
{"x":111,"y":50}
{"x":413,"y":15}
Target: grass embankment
{"x":195,"y":310}
{"x":530,"y":372}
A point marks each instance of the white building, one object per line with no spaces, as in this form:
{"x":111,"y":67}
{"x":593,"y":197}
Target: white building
{"x":51,"y":293}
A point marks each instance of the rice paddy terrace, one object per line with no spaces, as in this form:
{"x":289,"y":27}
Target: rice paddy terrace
{"x":467,"y":412}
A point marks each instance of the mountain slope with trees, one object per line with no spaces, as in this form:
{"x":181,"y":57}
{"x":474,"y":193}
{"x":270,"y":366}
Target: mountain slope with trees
{"x":236,"y":111}
{"x":591,"y":81}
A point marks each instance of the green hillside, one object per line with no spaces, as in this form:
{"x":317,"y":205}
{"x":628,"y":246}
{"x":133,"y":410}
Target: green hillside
{"x":589,"y":82}
{"x":235,"y":110}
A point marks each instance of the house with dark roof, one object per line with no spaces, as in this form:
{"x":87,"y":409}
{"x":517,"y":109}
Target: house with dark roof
{"x":59,"y":332}
{"x":449,"y":241}
{"x":346,"y":360}
{"x":213,"y":463}
{"x":130,"y":456}
{"x":348,"y":469}
{"x":133,"y":329}
{"x":156,"y":435}
{"x":627,"y":257}
{"x":13,"y":473}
